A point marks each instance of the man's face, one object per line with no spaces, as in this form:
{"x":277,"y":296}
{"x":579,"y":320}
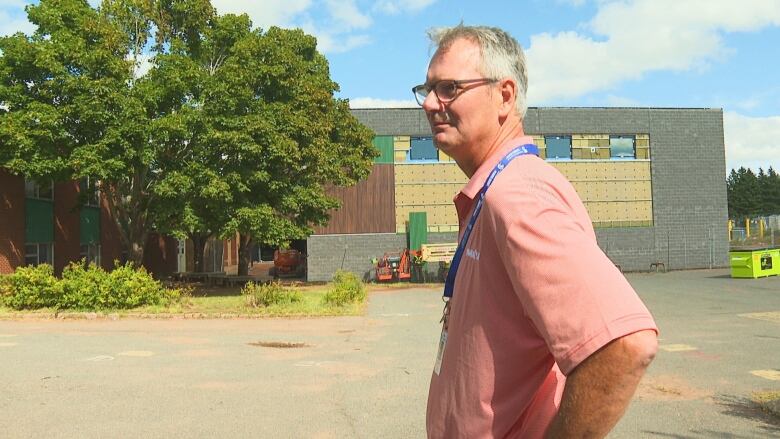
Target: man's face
{"x":465,"y":125}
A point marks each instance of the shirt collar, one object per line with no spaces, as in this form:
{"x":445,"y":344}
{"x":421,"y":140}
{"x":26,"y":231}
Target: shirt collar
{"x":471,"y":189}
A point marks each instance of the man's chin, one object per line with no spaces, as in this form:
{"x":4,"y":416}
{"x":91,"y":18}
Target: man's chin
{"x":443,"y":146}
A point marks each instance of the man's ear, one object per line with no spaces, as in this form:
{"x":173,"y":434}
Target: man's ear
{"x":508,"y":91}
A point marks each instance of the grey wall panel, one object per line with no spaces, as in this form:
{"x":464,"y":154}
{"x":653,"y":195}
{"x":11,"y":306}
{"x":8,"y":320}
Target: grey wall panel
{"x":328,"y":253}
{"x":688,"y":177}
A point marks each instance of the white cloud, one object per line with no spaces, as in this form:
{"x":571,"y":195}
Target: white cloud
{"x":636,"y":37}
{"x":265,"y":13}
{"x":621,"y":101}
{"x":13,"y":19}
{"x":329,"y":42}
{"x":346,"y":13}
{"x":334,"y":34}
{"x":394,"y":7}
{"x":366,"y":102}
{"x":749,"y":103}
{"x":751,"y":142}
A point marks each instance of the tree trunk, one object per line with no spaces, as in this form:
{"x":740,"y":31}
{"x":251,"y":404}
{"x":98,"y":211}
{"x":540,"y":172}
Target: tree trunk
{"x":130,"y":223}
{"x":136,"y":251}
{"x":199,"y":248}
{"x":244,"y":249}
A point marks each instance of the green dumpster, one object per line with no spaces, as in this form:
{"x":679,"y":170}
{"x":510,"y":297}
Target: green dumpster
{"x":754,"y":263}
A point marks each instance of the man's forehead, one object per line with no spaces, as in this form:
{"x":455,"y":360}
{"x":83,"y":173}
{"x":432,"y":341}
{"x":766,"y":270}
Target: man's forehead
{"x":459,"y":54}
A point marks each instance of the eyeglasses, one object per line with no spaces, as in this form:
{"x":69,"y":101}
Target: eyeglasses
{"x":447,"y":89}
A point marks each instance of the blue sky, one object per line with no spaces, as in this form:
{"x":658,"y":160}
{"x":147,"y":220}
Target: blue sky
{"x":666,"y":53}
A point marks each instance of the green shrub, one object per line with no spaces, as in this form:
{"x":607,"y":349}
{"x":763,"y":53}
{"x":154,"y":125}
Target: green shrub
{"x":345,"y":288}
{"x":31,"y":288}
{"x":123,"y":287}
{"x":84,"y":288}
{"x":269,"y":294}
{"x":134,"y":287}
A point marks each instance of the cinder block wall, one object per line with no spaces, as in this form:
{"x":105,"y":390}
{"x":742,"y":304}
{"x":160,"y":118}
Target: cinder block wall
{"x":328,"y":253}
{"x":688,"y":165}
{"x":688,"y":168}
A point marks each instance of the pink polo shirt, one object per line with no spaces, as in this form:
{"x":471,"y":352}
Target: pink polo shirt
{"x":534,"y":296}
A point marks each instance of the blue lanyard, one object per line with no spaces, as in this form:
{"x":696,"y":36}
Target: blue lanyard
{"x":449,"y":285}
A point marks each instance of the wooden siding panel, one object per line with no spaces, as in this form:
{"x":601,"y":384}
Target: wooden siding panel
{"x":367,"y":207}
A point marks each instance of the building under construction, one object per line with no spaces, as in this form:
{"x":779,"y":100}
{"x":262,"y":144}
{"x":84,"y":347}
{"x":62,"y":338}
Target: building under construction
{"x":652,"y":179}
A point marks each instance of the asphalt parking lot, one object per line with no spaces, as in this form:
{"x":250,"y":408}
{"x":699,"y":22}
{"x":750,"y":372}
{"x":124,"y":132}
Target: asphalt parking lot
{"x":365,"y":377}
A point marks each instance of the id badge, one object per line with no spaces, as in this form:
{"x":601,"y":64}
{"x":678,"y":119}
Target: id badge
{"x":445,"y":319}
{"x":440,"y":355}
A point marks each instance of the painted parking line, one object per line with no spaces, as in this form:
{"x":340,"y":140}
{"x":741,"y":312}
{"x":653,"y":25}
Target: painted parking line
{"x":773,"y":375}
{"x":7,"y":344}
{"x":677,"y":348}
{"x":313,"y":363}
{"x":771,"y":316}
{"x":136,"y":354}
{"x":99,"y":358}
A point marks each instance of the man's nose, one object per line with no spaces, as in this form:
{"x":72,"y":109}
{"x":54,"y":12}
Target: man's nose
{"x":431,"y":104}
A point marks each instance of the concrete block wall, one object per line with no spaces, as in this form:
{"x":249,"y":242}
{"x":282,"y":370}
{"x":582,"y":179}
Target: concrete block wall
{"x":328,"y":253}
{"x":688,"y":170}
{"x":688,"y":167}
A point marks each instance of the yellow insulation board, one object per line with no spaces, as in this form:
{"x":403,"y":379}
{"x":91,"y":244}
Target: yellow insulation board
{"x":425,"y":194}
{"x":618,"y":193}
{"x":402,"y":143}
{"x":613,"y":190}
{"x":444,"y":157}
{"x":604,"y":171}
{"x":437,"y":215}
{"x":429,"y":173}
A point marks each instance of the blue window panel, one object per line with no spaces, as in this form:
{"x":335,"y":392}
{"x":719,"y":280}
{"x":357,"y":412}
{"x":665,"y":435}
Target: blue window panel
{"x":423,"y":149}
{"x":621,"y":147}
{"x":558,"y":147}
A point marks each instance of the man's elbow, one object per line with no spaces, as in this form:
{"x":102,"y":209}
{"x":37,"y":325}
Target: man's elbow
{"x":642,"y":347}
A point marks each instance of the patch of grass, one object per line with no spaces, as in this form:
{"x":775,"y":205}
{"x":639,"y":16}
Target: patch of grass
{"x":769,"y":401}
{"x":310,"y":305}
{"x":768,"y":396}
{"x":258,"y":294}
{"x":345,"y":289}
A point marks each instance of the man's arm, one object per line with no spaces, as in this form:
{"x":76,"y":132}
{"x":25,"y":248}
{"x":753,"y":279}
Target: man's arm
{"x":599,"y":389}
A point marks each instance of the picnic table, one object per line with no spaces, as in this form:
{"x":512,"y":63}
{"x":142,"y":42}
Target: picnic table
{"x":223,"y":279}
{"x":188,"y":276}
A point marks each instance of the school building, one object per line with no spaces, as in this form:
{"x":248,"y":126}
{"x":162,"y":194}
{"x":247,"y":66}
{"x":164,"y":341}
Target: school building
{"x":652,"y":180}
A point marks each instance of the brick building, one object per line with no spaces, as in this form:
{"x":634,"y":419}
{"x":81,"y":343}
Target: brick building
{"x":47,"y":223}
{"x":652,"y":179}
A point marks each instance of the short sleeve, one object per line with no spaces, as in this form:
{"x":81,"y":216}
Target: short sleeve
{"x":574,"y":295}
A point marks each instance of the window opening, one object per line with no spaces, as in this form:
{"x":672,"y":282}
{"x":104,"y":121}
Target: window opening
{"x":422,"y":148}
{"x":622,"y":147}
{"x":558,"y":147}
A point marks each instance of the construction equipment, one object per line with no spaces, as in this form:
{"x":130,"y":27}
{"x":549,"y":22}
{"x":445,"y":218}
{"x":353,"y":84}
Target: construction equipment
{"x":288,"y":263}
{"x":393,"y":267}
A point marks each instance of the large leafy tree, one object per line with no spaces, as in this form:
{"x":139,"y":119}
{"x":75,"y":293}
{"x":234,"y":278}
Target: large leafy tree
{"x":72,"y":109}
{"x":233,"y":129}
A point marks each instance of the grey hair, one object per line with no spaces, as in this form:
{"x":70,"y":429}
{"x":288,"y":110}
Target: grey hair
{"x":502,"y":55}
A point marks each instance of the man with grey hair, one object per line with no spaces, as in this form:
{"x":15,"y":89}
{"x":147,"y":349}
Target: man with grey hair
{"x":542,"y":336}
